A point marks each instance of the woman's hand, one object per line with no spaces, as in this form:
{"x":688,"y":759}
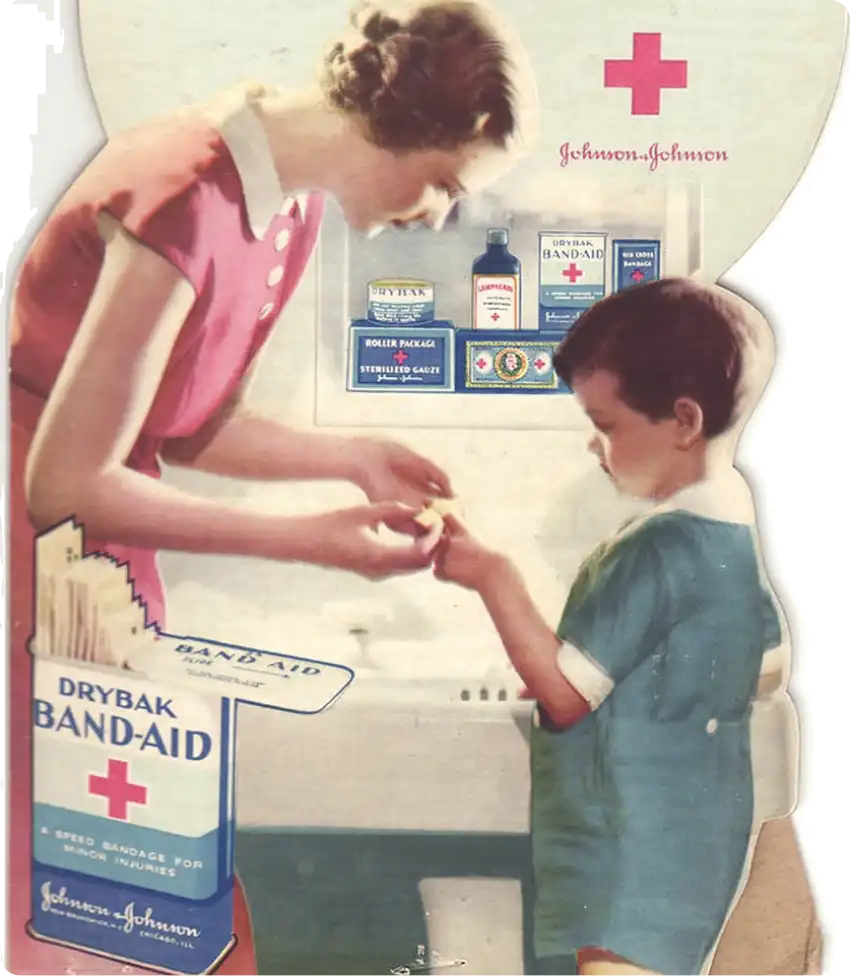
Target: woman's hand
{"x":347,"y":539}
{"x":388,"y":472}
{"x":462,"y":559}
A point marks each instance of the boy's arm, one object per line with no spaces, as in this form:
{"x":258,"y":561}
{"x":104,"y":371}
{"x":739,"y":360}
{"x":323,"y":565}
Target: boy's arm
{"x":530,"y":643}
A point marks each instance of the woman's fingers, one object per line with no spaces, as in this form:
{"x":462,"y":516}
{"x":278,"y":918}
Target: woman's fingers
{"x":394,"y":560}
{"x":432,"y":540}
{"x":431,"y":478}
{"x":397,"y":517}
{"x":440,"y":560}
{"x":387,"y":559}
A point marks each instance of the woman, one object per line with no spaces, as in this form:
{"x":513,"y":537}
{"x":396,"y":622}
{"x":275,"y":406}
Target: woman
{"x":149,"y":292}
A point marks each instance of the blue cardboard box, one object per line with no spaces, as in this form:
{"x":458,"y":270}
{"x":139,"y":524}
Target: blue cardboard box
{"x":636,"y":262}
{"x":402,"y":359}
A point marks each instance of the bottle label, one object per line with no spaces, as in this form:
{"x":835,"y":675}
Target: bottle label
{"x":495,"y":302}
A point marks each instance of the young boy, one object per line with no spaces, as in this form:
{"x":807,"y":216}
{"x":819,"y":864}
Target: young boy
{"x":642,"y":784}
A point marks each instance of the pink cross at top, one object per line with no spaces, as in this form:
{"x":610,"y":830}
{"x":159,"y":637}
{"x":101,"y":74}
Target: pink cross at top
{"x":646,"y":74}
{"x":573,"y":273}
{"x":495,"y":316}
{"x":118,"y":789}
{"x":638,"y":275}
{"x":400,"y":357}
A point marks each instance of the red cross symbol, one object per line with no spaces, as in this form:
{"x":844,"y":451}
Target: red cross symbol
{"x":540,"y":363}
{"x":400,"y":357}
{"x":495,"y":316}
{"x":646,"y":74}
{"x":118,"y":789}
{"x":573,"y":273}
{"x":481,"y":363}
{"x":638,"y":275}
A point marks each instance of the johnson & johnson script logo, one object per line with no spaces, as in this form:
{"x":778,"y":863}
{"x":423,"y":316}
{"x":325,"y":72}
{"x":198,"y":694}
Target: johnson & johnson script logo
{"x":654,"y":156}
{"x":59,"y":901}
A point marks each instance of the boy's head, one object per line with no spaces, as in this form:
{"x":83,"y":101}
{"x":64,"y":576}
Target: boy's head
{"x":657,"y":368}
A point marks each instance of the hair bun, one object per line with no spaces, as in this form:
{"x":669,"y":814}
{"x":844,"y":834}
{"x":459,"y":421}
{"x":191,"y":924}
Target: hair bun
{"x":425,"y":80}
{"x":374,"y":24}
{"x":367,"y":65}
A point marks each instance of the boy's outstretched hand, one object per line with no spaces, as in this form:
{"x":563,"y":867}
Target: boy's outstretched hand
{"x":462,"y":559}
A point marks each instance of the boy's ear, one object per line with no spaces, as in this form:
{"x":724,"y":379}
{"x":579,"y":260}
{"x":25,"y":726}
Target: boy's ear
{"x":689,"y":420}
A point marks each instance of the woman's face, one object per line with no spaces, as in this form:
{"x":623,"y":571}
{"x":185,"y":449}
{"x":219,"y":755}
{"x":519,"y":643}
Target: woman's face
{"x":419,"y":187}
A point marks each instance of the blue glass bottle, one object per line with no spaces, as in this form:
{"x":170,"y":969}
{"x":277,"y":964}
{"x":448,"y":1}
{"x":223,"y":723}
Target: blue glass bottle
{"x":496,"y":285}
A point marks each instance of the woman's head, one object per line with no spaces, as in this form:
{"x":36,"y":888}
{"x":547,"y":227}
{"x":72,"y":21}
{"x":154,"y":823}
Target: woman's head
{"x":434,"y":88}
{"x":658,"y":369}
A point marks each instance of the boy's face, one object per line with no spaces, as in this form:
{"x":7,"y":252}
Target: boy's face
{"x":640,"y":455}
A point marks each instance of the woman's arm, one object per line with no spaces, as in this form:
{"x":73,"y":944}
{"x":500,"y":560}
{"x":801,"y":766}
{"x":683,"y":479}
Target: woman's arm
{"x":239,"y":443}
{"x":77,"y":463}
{"x":100,"y":400}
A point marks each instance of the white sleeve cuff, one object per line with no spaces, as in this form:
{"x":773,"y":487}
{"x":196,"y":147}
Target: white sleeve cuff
{"x":587,"y":676}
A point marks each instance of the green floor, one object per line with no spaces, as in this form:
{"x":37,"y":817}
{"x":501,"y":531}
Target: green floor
{"x":325,"y":902}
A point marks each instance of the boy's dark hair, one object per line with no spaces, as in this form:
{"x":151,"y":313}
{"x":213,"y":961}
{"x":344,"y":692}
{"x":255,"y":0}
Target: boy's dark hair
{"x":663,"y":340}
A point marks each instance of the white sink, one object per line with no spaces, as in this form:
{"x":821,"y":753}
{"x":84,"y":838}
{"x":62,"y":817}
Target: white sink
{"x":388,"y":756}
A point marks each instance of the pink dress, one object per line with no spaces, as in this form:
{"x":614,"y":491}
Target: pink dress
{"x":177,"y":186}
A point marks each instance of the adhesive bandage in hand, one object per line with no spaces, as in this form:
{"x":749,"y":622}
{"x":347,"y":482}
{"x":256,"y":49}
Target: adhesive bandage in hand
{"x":436,"y":511}
{"x":432,"y":518}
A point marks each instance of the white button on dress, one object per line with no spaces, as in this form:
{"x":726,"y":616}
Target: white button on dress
{"x":275,"y":276}
{"x":266,"y":311}
{"x":281,"y":240}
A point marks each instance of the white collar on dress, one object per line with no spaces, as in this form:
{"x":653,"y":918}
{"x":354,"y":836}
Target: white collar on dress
{"x":723,"y":496}
{"x":248,"y":144}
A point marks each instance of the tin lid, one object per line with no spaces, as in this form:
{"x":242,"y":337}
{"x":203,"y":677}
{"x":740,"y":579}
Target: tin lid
{"x":497,"y":235}
{"x":400,"y":283}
